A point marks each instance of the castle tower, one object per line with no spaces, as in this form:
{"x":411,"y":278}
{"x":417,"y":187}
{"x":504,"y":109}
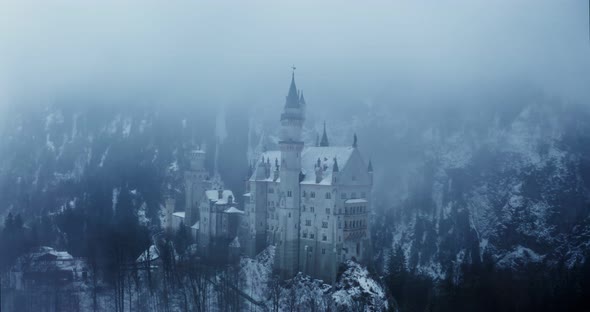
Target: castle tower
{"x":291,"y":145}
{"x":195,"y":184}
{"x":170,"y":203}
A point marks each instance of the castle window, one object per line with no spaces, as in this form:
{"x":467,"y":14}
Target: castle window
{"x":328,"y":195}
{"x":327,"y":210}
{"x":325,"y":224}
{"x":324,"y":238}
{"x":289,"y":215}
{"x":339,"y":210}
{"x":308,"y":222}
{"x":323,"y":251}
{"x":312,"y":209}
{"x":339,"y":224}
{"x":289,"y":194}
{"x":271,"y":190}
{"x":304,"y":235}
{"x":312,"y":195}
{"x":312,"y":236}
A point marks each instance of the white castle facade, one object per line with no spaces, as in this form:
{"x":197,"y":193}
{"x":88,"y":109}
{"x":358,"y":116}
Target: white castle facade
{"x":311,"y":202}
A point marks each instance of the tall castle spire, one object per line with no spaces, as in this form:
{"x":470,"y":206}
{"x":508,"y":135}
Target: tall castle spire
{"x":292,"y":97}
{"x":290,"y":145}
{"x":324,"y":141}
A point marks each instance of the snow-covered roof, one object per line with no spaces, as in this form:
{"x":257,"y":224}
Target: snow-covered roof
{"x":309,"y":159}
{"x":213,"y":195}
{"x":45,"y":259}
{"x":179,"y":214}
{"x":233,"y":210}
{"x":151,"y":254}
{"x":355,"y":201}
{"x":235,"y":243}
{"x":195,"y":226}
{"x":48,"y":251}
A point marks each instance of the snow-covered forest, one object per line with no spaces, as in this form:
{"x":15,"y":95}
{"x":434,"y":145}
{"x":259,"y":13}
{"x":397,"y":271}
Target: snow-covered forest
{"x":475,"y":119}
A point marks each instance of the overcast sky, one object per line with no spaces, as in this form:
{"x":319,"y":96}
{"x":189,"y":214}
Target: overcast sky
{"x":222,"y":52}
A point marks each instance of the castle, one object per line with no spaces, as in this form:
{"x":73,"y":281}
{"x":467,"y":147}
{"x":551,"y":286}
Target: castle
{"x":311,"y":202}
{"x":210,"y":213}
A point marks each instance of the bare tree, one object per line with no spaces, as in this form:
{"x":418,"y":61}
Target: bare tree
{"x":274,"y":287}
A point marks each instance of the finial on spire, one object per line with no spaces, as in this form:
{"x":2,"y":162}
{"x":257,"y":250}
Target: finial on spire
{"x":335,"y":167}
{"x":355,"y":141}
{"x":324,"y":141}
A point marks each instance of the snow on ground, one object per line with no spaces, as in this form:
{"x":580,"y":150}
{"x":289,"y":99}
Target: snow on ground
{"x":519,"y":256}
{"x":104,"y":156}
{"x":142,"y":215}
{"x":255,"y":273}
{"x":354,"y":286}
{"x":115,"y":198}
{"x":127,"y":124}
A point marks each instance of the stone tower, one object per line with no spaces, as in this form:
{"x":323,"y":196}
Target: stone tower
{"x":291,"y":145}
{"x":195,"y":182}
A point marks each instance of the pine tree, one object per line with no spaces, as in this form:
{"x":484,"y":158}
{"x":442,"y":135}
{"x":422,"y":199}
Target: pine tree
{"x":396,"y":277}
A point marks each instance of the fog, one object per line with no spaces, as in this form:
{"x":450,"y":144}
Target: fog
{"x":345,"y":51}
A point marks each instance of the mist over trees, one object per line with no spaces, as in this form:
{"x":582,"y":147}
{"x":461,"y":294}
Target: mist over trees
{"x":475,"y":116}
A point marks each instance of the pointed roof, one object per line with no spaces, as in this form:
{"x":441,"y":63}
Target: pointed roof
{"x":355,"y":141}
{"x":313,"y":158}
{"x":335,"y":166}
{"x":292,"y":97}
{"x":324,"y":142}
{"x":301,"y":98}
{"x":250,"y":170}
